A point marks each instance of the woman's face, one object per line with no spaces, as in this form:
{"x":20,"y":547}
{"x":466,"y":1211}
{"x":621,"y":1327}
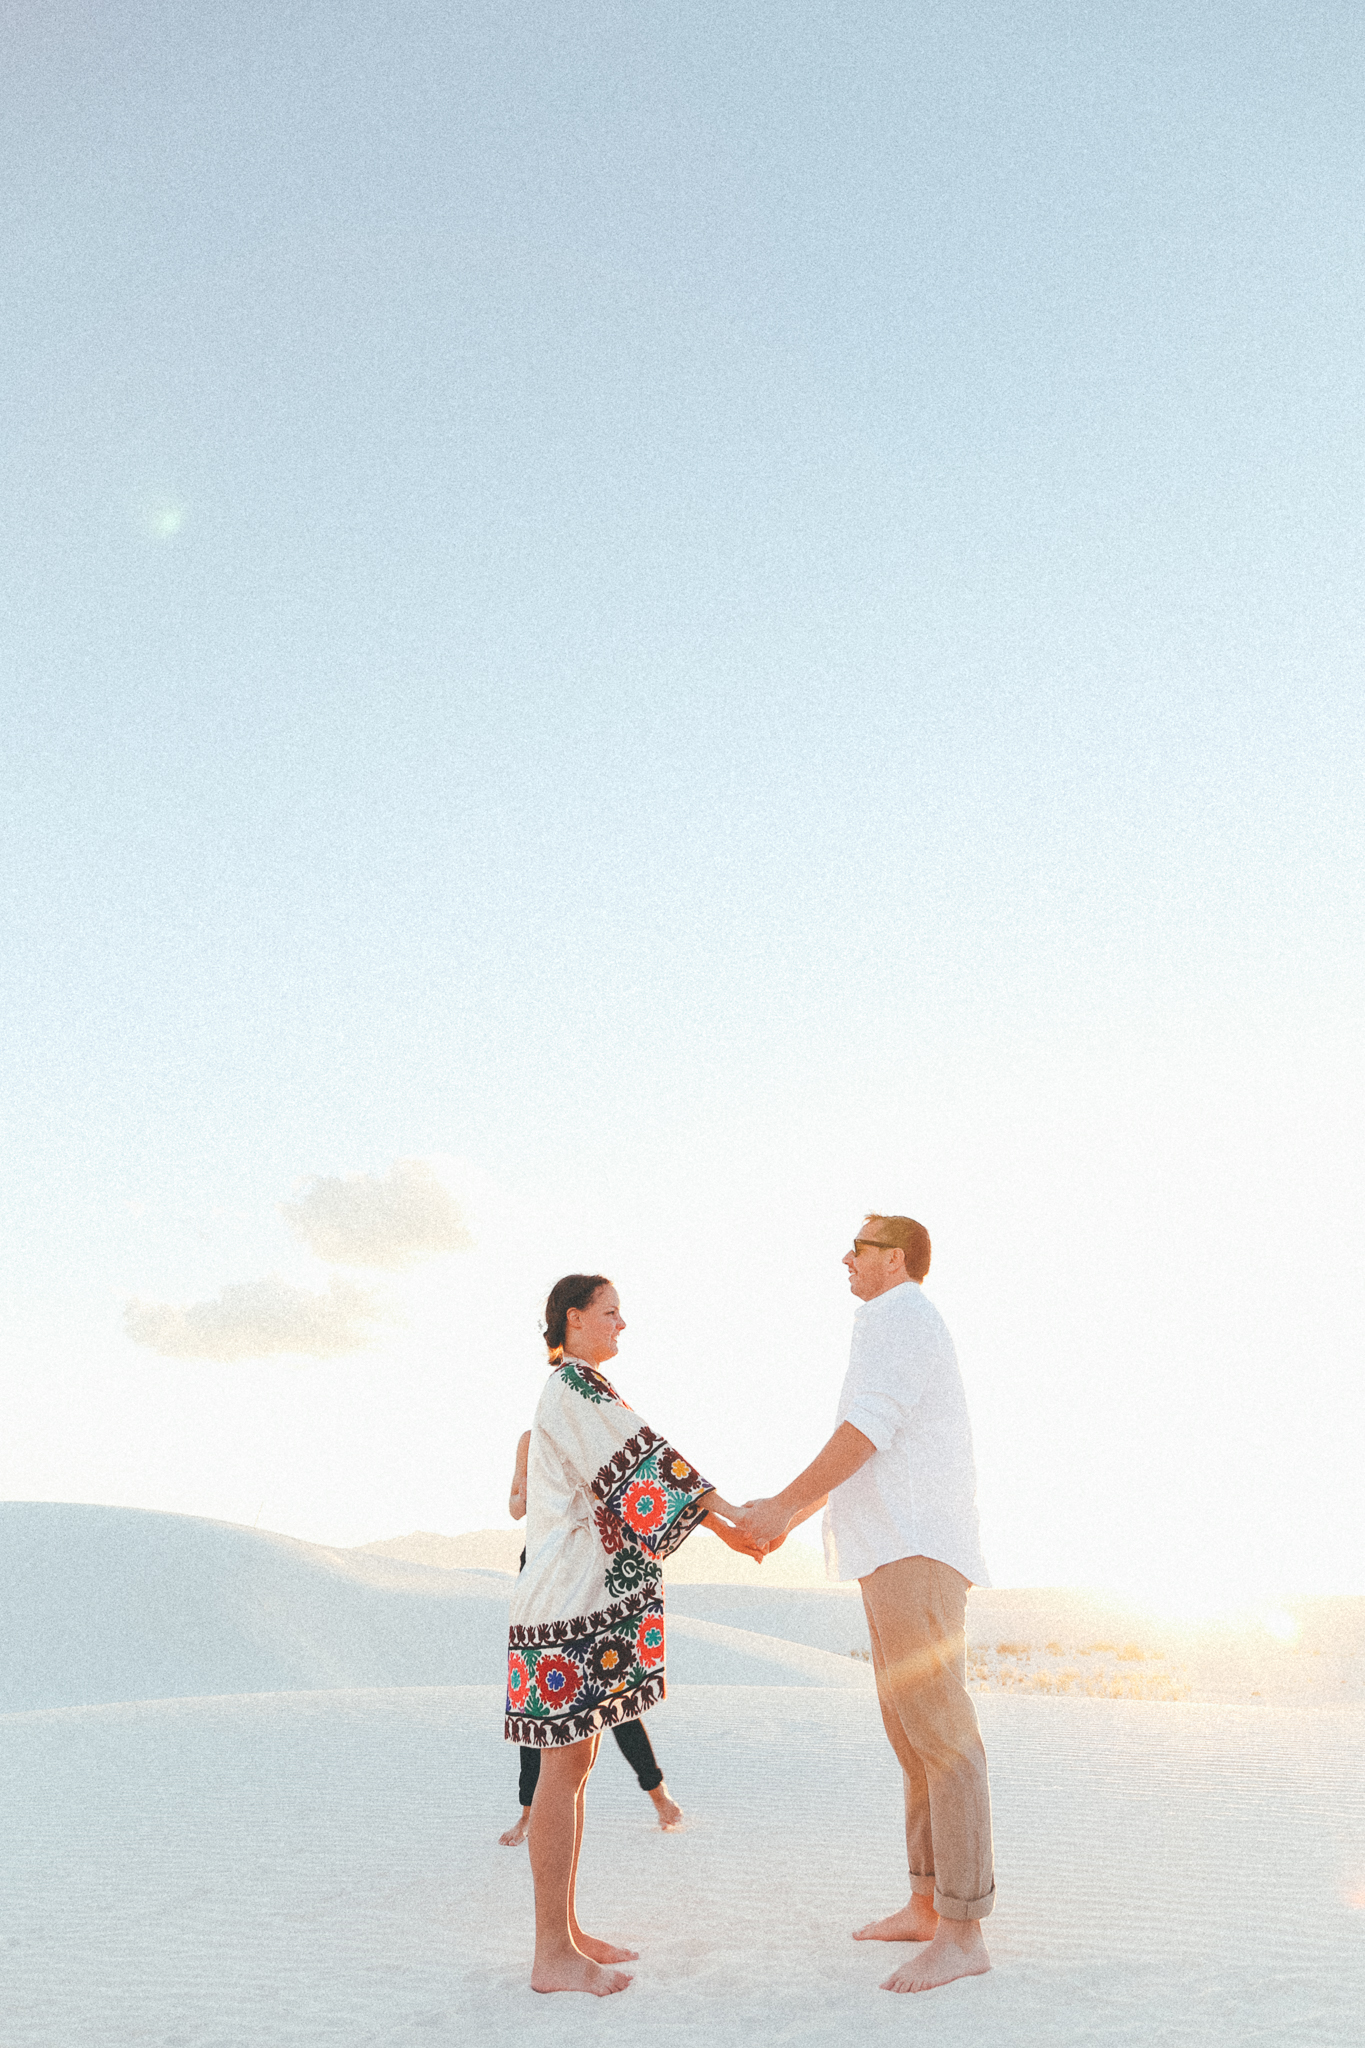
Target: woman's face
{"x":592,"y":1331}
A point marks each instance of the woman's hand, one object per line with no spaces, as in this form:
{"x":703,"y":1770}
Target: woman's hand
{"x":722,"y":1519}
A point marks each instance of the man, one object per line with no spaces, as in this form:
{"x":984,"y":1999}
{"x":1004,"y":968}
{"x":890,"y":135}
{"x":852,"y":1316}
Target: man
{"x":900,"y":1483}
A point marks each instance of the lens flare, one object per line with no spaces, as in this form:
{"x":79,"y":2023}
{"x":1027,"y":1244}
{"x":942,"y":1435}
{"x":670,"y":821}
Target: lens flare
{"x":162,"y":515}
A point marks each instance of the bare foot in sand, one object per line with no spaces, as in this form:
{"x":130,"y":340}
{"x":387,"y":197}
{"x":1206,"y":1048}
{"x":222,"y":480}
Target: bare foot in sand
{"x":568,"y":1970}
{"x":514,"y":1837}
{"x":669,"y":1812}
{"x":916,"y":1922}
{"x":603,"y":1951}
{"x":957,"y":1950}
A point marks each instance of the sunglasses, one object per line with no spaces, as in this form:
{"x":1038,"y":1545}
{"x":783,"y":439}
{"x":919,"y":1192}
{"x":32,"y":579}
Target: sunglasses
{"x":870,"y":1244}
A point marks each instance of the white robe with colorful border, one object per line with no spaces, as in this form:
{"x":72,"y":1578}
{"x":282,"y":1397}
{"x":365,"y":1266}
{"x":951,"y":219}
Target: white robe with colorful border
{"x":607,"y":1500}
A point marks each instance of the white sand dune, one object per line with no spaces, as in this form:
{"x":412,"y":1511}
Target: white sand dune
{"x":320,"y":1870}
{"x":102,"y":1604}
{"x":106,"y":1604}
{"x":278,"y":1867}
{"x":708,"y":1653}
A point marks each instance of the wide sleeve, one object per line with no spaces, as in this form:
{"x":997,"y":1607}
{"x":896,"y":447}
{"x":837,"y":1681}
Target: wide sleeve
{"x":647,"y":1493}
{"x":649,"y":1488}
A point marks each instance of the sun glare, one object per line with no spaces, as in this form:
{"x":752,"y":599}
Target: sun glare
{"x":1225,"y":1606}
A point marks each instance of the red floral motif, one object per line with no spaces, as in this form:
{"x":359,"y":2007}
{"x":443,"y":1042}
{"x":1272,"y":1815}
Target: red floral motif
{"x":518,"y":1683}
{"x":609,"y":1530}
{"x":644,"y":1506}
{"x":558,"y":1680}
{"x":649,"y":1641}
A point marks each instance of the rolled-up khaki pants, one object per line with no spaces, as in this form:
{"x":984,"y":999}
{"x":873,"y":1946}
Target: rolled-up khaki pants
{"x":917,"y":1618}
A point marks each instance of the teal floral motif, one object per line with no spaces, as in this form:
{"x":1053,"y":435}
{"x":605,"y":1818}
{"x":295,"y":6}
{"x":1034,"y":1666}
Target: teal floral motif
{"x":590,"y":1384}
{"x":629,"y":1569}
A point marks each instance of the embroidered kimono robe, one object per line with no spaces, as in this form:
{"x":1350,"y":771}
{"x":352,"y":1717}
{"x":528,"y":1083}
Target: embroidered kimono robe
{"x":607,"y":1500}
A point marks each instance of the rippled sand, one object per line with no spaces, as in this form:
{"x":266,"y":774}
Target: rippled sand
{"x":322,"y":1868}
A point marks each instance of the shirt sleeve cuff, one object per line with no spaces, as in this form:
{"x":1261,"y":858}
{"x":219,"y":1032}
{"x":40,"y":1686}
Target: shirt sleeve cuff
{"x":876,"y":1427}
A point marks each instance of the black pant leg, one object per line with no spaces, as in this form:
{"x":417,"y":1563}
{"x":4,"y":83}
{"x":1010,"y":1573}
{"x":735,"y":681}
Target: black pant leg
{"x":638,"y":1751}
{"x":530,"y":1776}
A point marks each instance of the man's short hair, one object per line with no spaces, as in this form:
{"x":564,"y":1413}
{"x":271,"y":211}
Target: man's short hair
{"x":912,"y":1238}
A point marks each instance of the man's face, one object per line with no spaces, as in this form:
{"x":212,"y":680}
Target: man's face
{"x":872,"y":1268}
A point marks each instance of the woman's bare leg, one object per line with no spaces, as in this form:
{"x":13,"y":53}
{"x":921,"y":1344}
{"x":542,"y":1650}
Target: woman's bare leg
{"x":556,"y":1839}
{"x":600,"y":1951}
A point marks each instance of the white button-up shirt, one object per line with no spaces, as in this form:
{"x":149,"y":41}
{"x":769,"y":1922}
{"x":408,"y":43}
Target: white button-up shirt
{"x":917,"y":1496}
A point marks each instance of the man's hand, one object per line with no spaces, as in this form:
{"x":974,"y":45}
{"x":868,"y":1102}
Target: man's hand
{"x":765,"y":1523}
{"x":726,"y":1521}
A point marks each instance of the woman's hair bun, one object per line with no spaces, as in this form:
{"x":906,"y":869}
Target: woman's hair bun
{"x":575,"y":1290}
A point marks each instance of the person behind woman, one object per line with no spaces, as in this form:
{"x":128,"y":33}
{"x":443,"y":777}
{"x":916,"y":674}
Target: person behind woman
{"x":631,"y":1737}
{"x":607,"y":1500}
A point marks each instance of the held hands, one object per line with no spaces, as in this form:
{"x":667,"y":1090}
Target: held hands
{"x":765,"y":1523}
{"x":727,"y":1522}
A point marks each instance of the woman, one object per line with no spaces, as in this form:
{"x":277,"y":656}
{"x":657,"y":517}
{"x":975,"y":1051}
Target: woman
{"x":630,"y":1736}
{"x":608,"y":1500}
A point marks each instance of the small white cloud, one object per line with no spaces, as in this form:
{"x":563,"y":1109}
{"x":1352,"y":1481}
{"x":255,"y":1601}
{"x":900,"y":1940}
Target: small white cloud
{"x":256,"y":1319}
{"x":392,"y":1219}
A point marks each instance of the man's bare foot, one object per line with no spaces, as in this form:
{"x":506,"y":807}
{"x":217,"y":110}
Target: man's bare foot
{"x":957,"y":1950}
{"x":514,"y":1837}
{"x":603,"y":1951}
{"x":916,"y":1922}
{"x":669,"y":1812}
{"x":569,"y":1970}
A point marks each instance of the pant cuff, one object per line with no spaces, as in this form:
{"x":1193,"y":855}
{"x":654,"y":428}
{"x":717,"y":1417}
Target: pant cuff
{"x":963,"y":1909}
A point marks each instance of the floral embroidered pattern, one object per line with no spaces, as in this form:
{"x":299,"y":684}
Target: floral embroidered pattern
{"x":609,"y":1531}
{"x":649,"y":1641}
{"x":587,"y":1381}
{"x":653,"y":1490}
{"x":518,"y":1682}
{"x":631,"y":1569}
{"x":558,"y":1680}
{"x":610,"y":1659}
{"x":675,"y":1471}
{"x":585,"y":1674}
{"x":644,"y":1505}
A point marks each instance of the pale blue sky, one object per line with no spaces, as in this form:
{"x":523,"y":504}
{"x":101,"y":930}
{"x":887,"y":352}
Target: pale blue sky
{"x":723,"y":613}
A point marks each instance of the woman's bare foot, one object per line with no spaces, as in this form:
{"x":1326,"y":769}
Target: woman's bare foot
{"x":957,"y":1950}
{"x":669,"y":1812}
{"x":570,"y":1970}
{"x":916,"y":1922}
{"x":603,"y":1951}
{"x":514,"y":1837}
